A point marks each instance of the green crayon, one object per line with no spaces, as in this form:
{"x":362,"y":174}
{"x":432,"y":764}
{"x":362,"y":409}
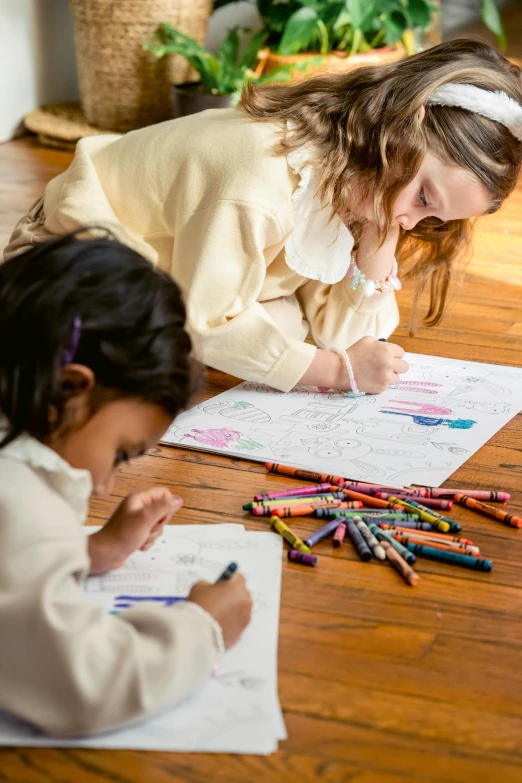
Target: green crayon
{"x":454,"y":558}
{"x":294,"y":541}
{"x":383,"y":535}
{"x":454,"y":527}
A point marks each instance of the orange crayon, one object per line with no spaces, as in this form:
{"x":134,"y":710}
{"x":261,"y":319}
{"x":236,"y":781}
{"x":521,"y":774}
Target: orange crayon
{"x":426,"y":534}
{"x":489,"y":511}
{"x":307,"y":509}
{"x":450,"y":546}
{"x":369,"y":500}
{"x":400,"y":565}
{"x":302,"y":473}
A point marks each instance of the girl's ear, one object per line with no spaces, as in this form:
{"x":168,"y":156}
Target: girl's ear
{"x":77,"y":379}
{"x":421,"y":113}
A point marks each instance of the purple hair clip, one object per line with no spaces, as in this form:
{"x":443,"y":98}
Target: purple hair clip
{"x":70,"y":353}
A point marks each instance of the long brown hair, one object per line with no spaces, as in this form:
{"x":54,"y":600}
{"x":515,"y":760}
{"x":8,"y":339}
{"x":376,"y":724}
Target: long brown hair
{"x":364,"y":126}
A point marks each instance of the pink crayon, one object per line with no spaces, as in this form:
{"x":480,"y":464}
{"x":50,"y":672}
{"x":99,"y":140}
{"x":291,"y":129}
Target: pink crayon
{"x":476,"y":494}
{"x":301,"y":491}
{"x":339,"y":535}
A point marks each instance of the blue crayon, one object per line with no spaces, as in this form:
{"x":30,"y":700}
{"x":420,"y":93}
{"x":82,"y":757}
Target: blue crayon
{"x":454,"y":526}
{"x":331,"y":513}
{"x":396,"y":518}
{"x":454,"y":558}
{"x":229,"y":572}
{"x":360,"y":545}
{"x":383,"y":535}
{"x":323,"y":532}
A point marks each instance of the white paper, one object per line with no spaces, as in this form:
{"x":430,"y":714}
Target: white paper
{"x":406,"y":435}
{"x":237,"y":710}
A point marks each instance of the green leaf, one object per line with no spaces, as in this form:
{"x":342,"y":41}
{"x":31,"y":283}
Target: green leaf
{"x":491,"y":18}
{"x":255,"y":43}
{"x":229,"y":49}
{"x":419,"y":12}
{"x":298,"y":32}
{"x":356,"y":11}
{"x":394,"y":26}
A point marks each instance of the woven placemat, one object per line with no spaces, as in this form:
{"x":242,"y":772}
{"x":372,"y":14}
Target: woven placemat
{"x":60,"y":125}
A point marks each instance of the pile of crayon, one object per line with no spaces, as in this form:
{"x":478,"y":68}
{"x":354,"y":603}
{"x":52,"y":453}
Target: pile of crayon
{"x":387,"y":523}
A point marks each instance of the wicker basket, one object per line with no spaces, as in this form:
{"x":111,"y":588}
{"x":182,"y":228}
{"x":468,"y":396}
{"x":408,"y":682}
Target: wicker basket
{"x":123,"y":87}
{"x":330,"y":63}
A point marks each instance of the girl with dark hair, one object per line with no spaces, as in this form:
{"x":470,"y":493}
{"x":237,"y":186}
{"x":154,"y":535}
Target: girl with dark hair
{"x":286,"y":215}
{"x":94,"y":364}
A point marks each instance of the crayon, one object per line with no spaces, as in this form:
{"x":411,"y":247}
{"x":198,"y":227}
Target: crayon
{"x":369,"y":500}
{"x":383,"y":535}
{"x":295,"y":556}
{"x":340,"y":532}
{"x":323,"y":532}
{"x":454,"y":558}
{"x":294,"y":511}
{"x":454,"y":527}
{"x":427,"y":534}
{"x":445,"y":505}
{"x":489,"y":511}
{"x":404,"y":525}
{"x":330,"y":513}
{"x":229,"y":571}
{"x":360,"y":486}
{"x":400,"y":565}
{"x":426,"y":515}
{"x":287,"y":501}
{"x":360,"y":545}
{"x":476,"y":494}
{"x":370,"y":539}
{"x":449,"y":546}
{"x":295,"y":492}
{"x":283,"y":530}
{"x":301,"y":473}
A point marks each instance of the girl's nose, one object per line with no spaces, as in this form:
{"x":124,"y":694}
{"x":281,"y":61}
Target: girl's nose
{"x":104,"y":488}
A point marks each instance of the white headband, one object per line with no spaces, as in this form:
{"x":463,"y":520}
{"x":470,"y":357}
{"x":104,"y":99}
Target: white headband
{"x":496,"y":105}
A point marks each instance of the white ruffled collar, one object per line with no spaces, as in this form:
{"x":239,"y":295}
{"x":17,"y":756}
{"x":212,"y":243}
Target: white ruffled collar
{"x":72,"y":484}
{"x":320,"y":246}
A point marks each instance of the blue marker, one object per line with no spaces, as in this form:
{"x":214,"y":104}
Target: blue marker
{"x":382,"y":339}
{"x":229,"y":571}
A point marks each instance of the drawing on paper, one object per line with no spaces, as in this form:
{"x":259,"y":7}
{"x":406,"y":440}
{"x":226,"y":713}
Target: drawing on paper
{"x":382,"y":436}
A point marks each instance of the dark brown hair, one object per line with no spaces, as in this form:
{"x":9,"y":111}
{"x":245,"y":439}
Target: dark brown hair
{"x":364,"y":125}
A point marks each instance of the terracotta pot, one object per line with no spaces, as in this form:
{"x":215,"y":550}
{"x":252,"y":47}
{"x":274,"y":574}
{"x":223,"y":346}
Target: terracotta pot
{"x":189,"y":99}
{"x":333,"y":62}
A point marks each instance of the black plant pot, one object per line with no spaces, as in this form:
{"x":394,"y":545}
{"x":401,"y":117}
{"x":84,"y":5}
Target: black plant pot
{"x":190,"y":99}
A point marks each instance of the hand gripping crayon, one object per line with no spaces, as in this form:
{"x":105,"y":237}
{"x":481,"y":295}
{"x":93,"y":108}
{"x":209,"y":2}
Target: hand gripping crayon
{"x":360,"y":545}
{"x":428,"y":535}
{"x":404,"y":524}
{"x":288,"y":501}
{"x":453,"y":558}
{"x":489,"y":511}
{"x":400,"y":565}
{"x":301,"y":473}
{"x":477,"y":494}
{"x":369,"y":500}
{"x":338,"y":537}
{"x":323,"y":532}
{"x":283,"y":530}
{"x":444,"y":505}
{"x":370,"y":539}
{"x":383,"y":535}
{"x":448,"y":546}
{"x":295,"y":556}
{"x":313,"y":489}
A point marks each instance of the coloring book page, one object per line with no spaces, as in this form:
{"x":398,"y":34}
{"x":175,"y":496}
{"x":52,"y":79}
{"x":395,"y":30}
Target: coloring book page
{"x":417,"y":432}
{"x":237,"y":710}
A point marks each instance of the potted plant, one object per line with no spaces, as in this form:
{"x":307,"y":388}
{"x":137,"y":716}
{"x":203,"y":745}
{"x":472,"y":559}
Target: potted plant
{"x":347,"y":32}
{"x":221,"y":77}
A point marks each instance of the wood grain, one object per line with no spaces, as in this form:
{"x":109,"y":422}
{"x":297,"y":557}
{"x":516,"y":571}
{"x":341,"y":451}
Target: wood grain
{"x":379,"y":682}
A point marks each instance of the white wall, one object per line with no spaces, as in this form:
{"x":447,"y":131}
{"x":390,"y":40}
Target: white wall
{"x":37,"y":62}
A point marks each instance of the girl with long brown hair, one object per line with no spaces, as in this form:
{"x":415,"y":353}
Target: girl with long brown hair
{"x":299,"y":210}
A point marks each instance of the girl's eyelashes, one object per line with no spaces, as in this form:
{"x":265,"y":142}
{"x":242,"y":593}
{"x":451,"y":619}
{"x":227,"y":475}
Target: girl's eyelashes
{"x":422,"y":198}
{"x":121,"y":457}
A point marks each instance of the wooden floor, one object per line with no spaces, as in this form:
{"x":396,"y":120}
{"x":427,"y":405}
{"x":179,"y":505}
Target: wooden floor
{"x":379,"y":683}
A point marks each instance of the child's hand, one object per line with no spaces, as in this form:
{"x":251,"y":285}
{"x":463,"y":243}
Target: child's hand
{"x":376,"y":365}
{"x":229,"y":602}
{"x":136,"y":524}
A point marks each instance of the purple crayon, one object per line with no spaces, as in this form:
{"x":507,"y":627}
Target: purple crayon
{"x":323,"y":532}
{"x":302,"y":557}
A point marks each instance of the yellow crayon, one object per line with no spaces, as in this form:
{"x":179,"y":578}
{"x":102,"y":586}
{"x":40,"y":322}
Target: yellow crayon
{"x":294,"y":541}
{"x":440,"y":524}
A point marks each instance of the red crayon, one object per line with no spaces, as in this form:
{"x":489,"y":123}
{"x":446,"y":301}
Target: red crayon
{"x":314,"y":489}
{"x":428,"y":502}
{"x":476,"y":494}
{"x":302,"y":473}
{"x":489,"y":511}
{"x":369,"y":500}
{"x":339,"y":535}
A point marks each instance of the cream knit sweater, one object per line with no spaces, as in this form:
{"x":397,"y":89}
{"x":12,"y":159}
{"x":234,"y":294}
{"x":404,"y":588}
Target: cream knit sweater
{"x":207,"y":199}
